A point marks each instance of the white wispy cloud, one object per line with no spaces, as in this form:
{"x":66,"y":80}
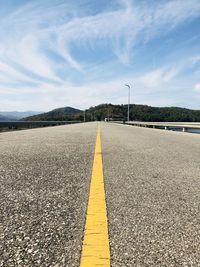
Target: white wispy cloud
{"x":33,"y":29}
{"x":197,"y":87}
{"x":195,"y":59}
{"x":158,"y":77}
{"x":8,"y":73}
{"x":36,"y":21}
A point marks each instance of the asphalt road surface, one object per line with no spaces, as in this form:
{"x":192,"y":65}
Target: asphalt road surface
{"x":152,"y":183}
{"x":44,"y":182}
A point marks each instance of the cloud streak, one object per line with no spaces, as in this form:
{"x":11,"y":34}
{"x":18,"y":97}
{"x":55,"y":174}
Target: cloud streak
{"x":46,"y":40}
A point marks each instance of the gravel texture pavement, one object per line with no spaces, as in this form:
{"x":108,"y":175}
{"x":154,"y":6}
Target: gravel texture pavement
{"x":152,"y":180}
{"x":44,"y":182}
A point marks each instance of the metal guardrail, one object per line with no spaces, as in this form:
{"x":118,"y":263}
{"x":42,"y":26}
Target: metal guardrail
{"x":183,"y":126}
{"x":33,"y":124}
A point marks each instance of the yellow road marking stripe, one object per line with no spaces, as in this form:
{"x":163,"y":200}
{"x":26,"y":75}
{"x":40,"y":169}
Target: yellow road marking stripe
{"x":95,"y":248}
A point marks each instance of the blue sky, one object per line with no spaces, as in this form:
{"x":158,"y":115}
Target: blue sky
{"x":81,"y":53}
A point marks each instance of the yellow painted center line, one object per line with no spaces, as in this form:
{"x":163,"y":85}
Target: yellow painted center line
{"x":95,"y":249}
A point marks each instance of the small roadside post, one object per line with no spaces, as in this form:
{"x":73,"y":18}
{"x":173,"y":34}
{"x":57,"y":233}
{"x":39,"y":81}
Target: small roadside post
{"x":84,"y":115}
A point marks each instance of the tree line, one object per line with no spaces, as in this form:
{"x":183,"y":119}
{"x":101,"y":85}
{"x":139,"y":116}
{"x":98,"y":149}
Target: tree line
{"x":119,"y":112}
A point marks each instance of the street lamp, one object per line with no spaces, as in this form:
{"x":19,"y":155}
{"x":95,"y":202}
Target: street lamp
{"x":84,"y":116}
{"x":127,"y":85}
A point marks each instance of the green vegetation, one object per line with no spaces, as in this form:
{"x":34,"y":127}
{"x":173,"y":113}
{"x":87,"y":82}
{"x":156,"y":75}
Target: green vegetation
{"x":142,"y":113}
{"x":119,"y":112}
{"x":59,"y":114}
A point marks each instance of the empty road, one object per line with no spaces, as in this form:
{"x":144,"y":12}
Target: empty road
{"x":152,"y":193}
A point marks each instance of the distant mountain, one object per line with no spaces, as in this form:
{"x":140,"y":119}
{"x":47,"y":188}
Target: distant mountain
{"x":4,"y":118}
{"x":65,"y":113}
{"x":17,"y":115}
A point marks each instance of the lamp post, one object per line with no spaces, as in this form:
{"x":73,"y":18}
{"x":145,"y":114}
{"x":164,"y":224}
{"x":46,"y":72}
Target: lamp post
{"x":127,"y":85}
{"x":84,"y":116}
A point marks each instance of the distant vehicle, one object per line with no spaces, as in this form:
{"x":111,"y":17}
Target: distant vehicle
{"x":108,"y":119}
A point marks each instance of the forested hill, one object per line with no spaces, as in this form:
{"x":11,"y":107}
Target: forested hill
{"x":119,"y":112}
{"x":144,"y":113}
{"x":65,"y":113}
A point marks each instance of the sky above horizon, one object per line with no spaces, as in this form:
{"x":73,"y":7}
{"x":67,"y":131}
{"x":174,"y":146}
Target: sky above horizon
{"x":81,"y":53}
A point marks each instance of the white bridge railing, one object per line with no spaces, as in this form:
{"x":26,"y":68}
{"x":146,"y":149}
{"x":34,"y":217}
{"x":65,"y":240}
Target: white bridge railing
{"x":183,"y":126}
